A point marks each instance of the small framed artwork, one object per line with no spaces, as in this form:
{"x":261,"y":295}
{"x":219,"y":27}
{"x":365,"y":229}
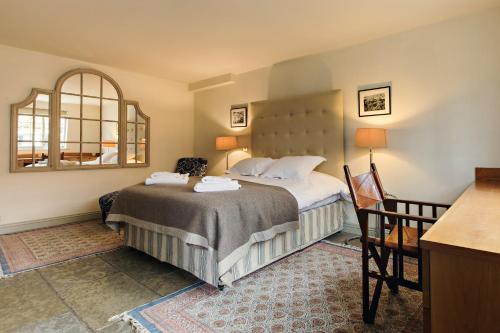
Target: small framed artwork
{"x":239,"y":116}
{"x":374,"y":102}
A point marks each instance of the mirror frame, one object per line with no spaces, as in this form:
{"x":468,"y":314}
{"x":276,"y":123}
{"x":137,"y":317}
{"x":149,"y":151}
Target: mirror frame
{"x":124,"y":135}
{"x":57,"y":108}
{"x":54,"y":150}
{"x":14,"y":131}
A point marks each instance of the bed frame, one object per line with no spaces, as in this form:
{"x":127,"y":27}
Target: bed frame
{"x":300,"y":125}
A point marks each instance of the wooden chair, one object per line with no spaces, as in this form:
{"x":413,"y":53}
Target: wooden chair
{"x":391,"y":236}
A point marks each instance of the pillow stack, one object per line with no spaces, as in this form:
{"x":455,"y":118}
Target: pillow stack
{"x":252,"y":166}
{"x":293,"y":167}
{"x":287,"y":167}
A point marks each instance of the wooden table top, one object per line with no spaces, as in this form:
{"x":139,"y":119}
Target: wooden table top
{"x":471,"y":224}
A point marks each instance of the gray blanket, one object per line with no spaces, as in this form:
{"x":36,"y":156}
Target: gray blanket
{"x":226,"y":222}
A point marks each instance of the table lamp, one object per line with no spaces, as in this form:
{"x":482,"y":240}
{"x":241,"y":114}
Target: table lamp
{"x":371,"y":138}
{"x":226,"y":143}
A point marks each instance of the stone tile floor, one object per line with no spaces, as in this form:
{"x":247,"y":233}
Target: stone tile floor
{"x":81,"y":295}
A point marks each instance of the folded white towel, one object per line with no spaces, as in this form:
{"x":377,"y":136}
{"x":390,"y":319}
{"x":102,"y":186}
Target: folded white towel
{"x":230,"y":183}
{"x":165,"y":174}
{"x":216,"y":179}
{"x":159,"y":180}
{"x":217,"y":187}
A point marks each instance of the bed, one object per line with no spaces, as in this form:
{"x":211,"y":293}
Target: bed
{"x":304,"y":125}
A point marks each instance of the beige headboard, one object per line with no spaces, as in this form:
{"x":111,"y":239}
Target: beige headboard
{"x":302,"y":125}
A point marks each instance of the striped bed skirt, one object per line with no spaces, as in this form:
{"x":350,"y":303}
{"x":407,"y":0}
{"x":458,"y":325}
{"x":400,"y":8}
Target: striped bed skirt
{"x":315,"y":224}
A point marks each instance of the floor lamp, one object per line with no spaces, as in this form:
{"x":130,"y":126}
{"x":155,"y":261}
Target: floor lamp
{"x":226,"y":143}
{"x":370,"y":138}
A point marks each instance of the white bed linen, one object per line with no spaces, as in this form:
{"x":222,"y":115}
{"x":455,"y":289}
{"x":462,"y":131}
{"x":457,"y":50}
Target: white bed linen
{"x":317,"y":187}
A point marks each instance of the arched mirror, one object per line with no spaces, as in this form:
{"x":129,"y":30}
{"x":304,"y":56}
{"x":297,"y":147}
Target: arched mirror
{"x":83,"y":123}
{"x":137,"y":135}
{"x":89,"y":108}
{"x":31,"y":134}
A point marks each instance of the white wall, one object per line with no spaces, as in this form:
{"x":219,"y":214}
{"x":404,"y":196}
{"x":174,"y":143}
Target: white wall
{"x":32,"y":196}
{"x":445,"y":101}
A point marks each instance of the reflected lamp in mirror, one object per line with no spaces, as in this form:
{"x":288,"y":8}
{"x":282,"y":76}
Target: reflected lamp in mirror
{"x":371,"y":138}
{"x":226,"y":143}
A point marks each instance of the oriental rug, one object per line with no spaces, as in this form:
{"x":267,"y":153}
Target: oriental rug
{"x":42,"y":247}
{"x":315,"y":290}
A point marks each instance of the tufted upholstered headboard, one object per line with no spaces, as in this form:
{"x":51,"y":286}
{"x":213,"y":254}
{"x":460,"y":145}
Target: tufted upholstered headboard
{"x":303,"y":125}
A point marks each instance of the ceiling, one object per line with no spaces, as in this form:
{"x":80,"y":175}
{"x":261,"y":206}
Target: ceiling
{"x":191,"y":40}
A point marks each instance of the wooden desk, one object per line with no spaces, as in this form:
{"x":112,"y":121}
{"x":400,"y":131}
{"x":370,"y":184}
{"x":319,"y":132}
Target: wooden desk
{"x":461,"y":256}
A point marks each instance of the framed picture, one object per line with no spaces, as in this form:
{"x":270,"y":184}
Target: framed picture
{"x":239,"y":116}
{"x":374,"y":102}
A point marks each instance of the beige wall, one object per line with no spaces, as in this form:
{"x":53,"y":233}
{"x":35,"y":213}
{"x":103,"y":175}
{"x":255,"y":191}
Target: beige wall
{"x":446,"y":112}
{"x":445,"y":100}
{"x":30,"y":196}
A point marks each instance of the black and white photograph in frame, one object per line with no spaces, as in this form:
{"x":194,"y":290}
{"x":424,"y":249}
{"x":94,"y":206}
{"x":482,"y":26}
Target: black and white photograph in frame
{"x":374,"y":102}
{"x":239,"y":117}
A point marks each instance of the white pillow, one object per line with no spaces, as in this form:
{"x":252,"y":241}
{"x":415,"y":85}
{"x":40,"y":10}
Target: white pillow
{"x":293,"y":167}
{"x":110,"y":157}
{"x":252,"y":166}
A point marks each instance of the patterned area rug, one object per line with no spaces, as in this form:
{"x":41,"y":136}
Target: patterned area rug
{"x":316,"y":290}
{"x":32,"y":249}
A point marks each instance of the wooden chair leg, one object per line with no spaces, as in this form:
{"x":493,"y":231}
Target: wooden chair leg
{"x":370,"y":309}
{"x":375,"y":299}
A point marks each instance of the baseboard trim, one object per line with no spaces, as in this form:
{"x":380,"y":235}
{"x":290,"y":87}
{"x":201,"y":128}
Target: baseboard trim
{"x":49,"y":222}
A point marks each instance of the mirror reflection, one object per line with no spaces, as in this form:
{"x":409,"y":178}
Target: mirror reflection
{"x":141,"y":153}
{"x":33,"y":133}
{"x":131,"y":154}
{"x":110,"y":110}
{"x":91,"y":85}
{"x":89,"y":122}
{"x":72,"y":85}
{"x":91,"y":108}
{"x":136,"y":136}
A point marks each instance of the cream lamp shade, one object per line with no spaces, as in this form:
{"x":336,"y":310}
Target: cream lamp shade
{"x":371,"y":138}
{"x":225,"y":143}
